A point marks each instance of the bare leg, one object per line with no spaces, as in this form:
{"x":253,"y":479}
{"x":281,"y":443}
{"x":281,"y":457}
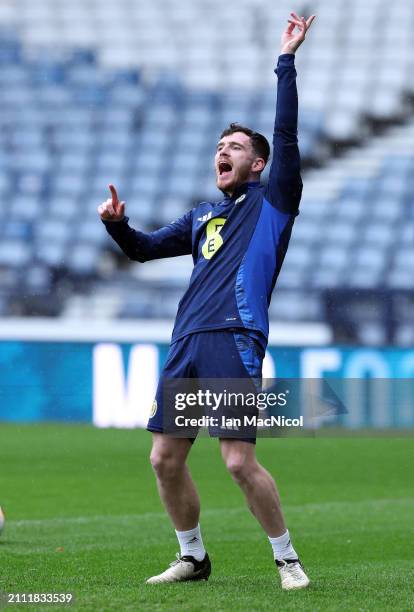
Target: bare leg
{"x":176,"y":488}
{"x":256,"y":483}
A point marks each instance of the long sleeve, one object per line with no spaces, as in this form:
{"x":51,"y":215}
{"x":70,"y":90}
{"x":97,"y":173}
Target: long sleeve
{"x":284,"y":188}
{"x":170,"y":241}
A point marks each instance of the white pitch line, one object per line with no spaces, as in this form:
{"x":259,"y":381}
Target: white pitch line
{"x":112,"y":518}
{"x":324,"y":506}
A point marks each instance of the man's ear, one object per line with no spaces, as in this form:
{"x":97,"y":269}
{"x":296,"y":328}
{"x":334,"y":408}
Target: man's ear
{"x":258,"y":164}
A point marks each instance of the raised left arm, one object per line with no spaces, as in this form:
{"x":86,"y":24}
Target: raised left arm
{"x":284,"y":188}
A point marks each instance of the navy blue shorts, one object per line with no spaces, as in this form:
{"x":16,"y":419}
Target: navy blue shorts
{"x":229,"y":354}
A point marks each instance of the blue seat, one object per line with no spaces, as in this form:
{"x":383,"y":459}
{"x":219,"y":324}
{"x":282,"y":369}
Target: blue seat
{"x":69,"y":183}
{"x":47,"y":71}
{"x":15,"y":228}
{"x":15,"y":253}
{"x":10,"y":48}
{"x":26,"y":207}
{"x":84,"y":258}
{"x":52,"y":253}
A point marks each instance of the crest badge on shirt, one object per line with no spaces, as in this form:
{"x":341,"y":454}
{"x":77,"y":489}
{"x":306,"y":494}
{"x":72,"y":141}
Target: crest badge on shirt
{"x":153,"y":410}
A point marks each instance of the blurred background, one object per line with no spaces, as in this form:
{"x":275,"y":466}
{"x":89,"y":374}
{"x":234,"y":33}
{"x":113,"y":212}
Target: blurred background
{"x":136,"y":93}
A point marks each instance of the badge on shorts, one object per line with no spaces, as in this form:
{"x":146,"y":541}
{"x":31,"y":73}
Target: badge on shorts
{"x":153,"y":409}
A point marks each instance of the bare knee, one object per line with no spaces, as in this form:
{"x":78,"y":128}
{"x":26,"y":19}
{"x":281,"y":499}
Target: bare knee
{"x":165,"y":465}
{"x":240,"y":459}
{"x":240,"y":466}
{"x":168,"y":459}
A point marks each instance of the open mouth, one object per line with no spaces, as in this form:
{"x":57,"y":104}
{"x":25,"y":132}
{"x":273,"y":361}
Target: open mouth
{"x":224,"y":168}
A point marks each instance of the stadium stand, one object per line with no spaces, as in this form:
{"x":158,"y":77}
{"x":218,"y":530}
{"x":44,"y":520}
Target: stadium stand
{"x":136,"y":94}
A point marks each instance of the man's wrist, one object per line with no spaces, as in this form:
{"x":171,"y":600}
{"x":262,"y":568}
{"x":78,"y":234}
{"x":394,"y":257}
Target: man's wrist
{"x":286,"y":58}
{"x":125,"y":218}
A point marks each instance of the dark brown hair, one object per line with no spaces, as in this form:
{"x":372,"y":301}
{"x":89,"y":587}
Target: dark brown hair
{"x":259,"y":143}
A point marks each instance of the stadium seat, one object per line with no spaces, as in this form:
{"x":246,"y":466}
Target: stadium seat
{"x":15,"y":253}
{"x":77,"y":112}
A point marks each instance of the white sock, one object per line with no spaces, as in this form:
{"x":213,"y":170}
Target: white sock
{"x":191,"y":543}
{"x":282,"y":547}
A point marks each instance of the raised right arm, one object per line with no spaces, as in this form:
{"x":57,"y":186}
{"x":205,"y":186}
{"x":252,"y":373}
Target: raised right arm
{"x":170,"y":241}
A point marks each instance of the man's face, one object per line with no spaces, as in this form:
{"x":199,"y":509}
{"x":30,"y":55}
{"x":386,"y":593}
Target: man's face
{"x":235,"y":161}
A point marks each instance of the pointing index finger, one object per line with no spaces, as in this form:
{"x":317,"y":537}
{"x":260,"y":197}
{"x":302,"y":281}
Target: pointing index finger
{"x":115,"y":199}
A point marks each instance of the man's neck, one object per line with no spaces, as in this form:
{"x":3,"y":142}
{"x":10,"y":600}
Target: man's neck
{"x":237,"y":188}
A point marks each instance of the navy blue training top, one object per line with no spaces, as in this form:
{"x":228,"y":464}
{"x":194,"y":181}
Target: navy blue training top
{"x":238,"y":245}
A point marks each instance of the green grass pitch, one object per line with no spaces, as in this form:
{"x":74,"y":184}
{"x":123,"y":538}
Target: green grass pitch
{"x":83,"y":515}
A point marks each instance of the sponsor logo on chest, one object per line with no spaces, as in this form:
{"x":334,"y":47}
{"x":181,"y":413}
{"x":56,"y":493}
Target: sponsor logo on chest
{"x":205,"y":217}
